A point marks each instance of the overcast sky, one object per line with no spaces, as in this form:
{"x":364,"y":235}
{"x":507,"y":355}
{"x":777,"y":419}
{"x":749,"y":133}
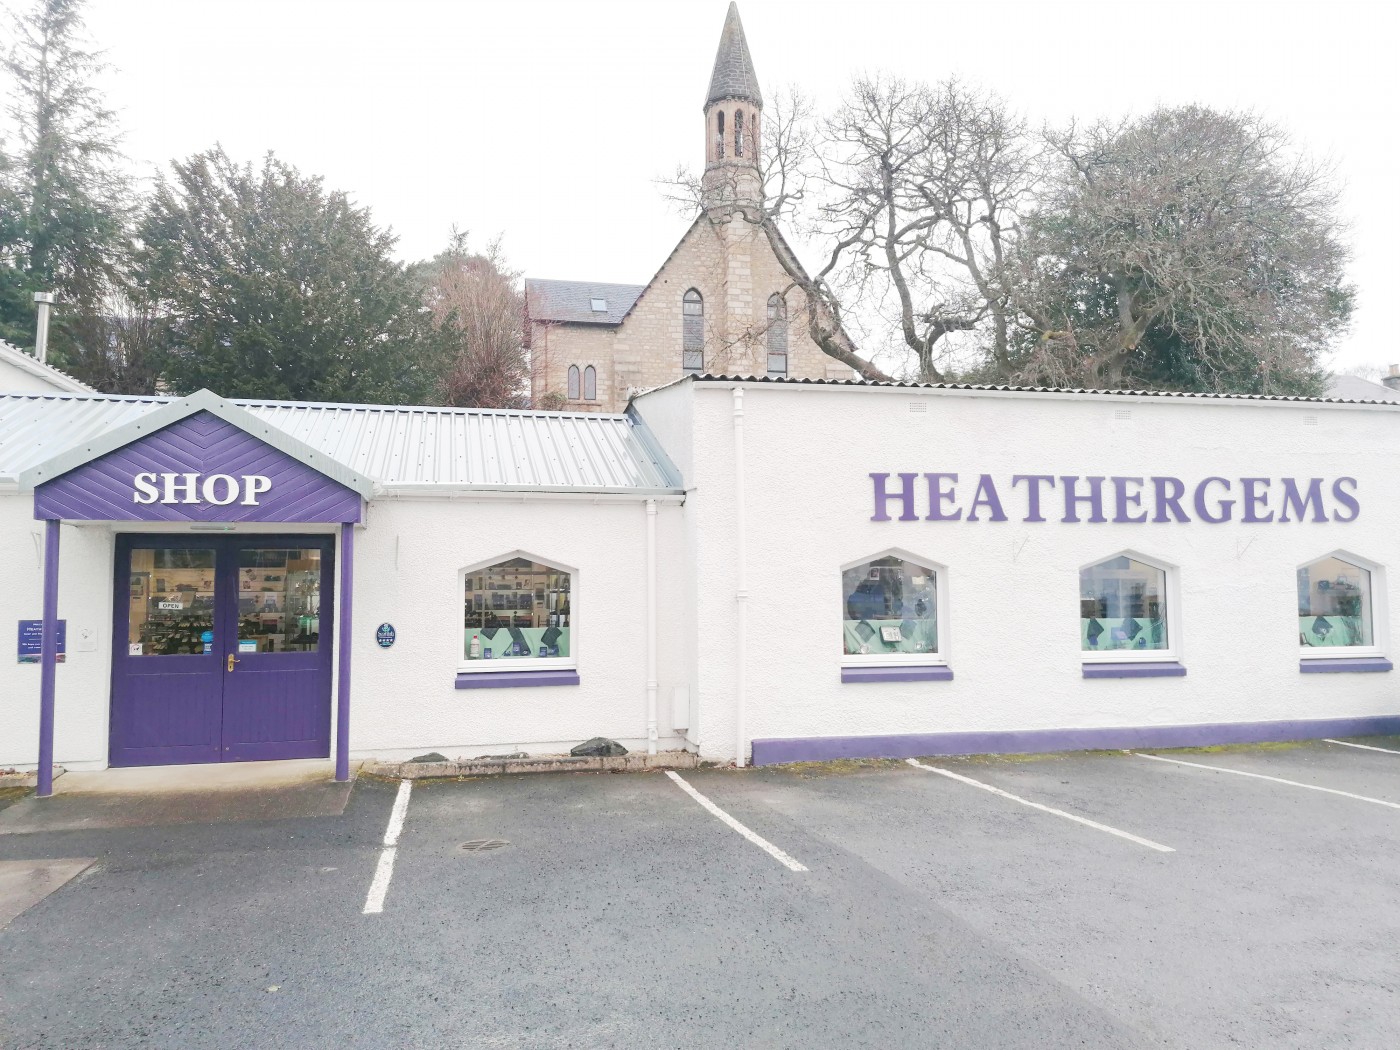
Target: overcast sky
{"x":548,"y":122}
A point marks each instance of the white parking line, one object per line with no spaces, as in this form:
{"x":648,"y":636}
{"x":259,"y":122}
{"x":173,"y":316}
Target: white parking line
{"x":758,"y":840}
{"x":384,"y":871}
{"x":1044,"y":809}
{"x":1276,"y":780}
{"x":1363,"y":747}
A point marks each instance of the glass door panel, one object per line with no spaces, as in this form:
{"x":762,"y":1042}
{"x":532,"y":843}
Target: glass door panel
{"x":279,"y":600}
{"x":171,"y":596}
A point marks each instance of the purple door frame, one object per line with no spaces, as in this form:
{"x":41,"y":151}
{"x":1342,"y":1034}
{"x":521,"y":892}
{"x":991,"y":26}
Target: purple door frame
{"x":278,"y":705}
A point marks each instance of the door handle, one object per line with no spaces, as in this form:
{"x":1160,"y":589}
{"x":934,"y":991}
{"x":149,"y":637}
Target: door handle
{"x":232,"y":661}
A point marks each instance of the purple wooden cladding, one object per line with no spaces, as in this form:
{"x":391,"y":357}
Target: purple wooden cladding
{"x":1161,"y":669}
{"x":924,"y":673}
{"x":1039,"y":741}
{"x":203,"y":444}
{"x":515,"y":679}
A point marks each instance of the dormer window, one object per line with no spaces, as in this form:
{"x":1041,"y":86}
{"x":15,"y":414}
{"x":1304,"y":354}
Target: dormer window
{"x":600,"y":306}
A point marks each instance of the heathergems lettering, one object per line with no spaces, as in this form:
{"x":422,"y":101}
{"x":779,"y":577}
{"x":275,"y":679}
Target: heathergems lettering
{"x":1102,"y":498}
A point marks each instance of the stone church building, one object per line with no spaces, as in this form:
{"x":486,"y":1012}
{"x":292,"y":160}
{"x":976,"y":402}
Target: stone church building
{"x":721,"y":303}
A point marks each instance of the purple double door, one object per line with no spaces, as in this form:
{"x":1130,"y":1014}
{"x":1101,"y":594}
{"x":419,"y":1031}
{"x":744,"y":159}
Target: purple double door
{"x":221,"y":648}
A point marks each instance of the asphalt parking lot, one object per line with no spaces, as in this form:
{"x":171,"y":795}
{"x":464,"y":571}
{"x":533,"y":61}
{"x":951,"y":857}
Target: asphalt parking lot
{"x":1092,"y":900}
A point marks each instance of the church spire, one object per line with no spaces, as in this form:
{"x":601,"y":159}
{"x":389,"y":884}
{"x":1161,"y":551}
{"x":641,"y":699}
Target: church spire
{"x":733,"y":76}
{"x":732,"y":134}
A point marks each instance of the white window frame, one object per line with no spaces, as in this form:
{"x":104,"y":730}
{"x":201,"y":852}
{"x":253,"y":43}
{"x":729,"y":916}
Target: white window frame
{"x":941,"y":606}
{"x":1379,"y":624}
{"x":1172,"y":592}
{"x":517,"y":663}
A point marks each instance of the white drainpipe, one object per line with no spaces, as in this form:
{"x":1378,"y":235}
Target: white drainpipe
{"x":44,"y":302}
{"x":651,"y":627}
{"x":742,"y":587}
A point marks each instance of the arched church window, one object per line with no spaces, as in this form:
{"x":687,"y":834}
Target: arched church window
{"x":738,"y":133}
{"x":590,"y":384}
{"x":573,"y":382}
{"x":719,"y":135}
{"x":777,"y":335}
{"x":693,"y":332}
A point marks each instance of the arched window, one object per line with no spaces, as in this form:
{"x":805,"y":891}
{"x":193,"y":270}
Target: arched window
{"x":1123,"y":607}
{"x":590,"y":384}
{"x":890,"y":611}
{"x":573,"y":382}
{"x":1334,"y":606}
{"x":719,"y":135}
{"x":517,"y":609}
{"x":738,"y":133}
{"x":693,"y":332}
{"x":777,"y":335}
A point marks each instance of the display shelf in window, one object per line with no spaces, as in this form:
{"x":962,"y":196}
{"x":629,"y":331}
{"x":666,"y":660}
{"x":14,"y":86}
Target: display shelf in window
{"x":517,"y":616}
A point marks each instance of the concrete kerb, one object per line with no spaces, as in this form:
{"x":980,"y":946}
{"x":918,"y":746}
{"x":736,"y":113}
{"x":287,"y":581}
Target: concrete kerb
{"x":476,"y":767}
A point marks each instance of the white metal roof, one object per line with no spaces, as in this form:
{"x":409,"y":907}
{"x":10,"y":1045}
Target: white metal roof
{"x":398,"y":447}
{"x":41,"y":370}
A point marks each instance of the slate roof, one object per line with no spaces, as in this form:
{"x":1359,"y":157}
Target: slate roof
{"x":571,"y":301}
{"x":396,"y":447}
{"x":1354,"y":388}
{"x":733,"y":75}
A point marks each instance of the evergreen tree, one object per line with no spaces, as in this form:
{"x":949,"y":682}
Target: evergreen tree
{"x":271,"y":286}
{"x":64,"y":196}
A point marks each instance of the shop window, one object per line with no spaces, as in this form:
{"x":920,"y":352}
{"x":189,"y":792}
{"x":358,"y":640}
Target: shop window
{"x":693,"y":332}
{"x":590,"y":384}
{"x":573,"y":382}
{"x":890,"y":612}
{"x":1123,"y":610}
{"x":1335,"y":607}
{"x":777,"y":336}
{"x":518,"y":616}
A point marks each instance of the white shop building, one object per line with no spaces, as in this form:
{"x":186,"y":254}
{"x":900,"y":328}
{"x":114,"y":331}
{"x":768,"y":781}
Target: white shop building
{"x":757,"y":570}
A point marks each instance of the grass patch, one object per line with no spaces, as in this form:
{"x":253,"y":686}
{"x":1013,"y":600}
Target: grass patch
{"x":835,"y":767}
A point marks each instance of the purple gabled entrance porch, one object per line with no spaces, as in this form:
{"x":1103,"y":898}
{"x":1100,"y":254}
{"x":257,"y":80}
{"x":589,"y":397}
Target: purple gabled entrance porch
{"x":222,"y":644}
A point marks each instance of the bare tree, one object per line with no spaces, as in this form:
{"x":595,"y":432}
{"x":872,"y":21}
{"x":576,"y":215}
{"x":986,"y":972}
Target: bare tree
{"x":923,"y":192}
{"x":1191,"y":249}
{"x":474,"y":307}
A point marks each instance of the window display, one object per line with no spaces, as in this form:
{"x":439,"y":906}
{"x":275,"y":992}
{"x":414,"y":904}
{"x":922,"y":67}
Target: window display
{"x":516,"y":609}
{"x":279,"y":600}
{"x":1334,"y":604}
{"x":171,"y":594}
{"x":889,"y":608}
{"x":1122,"y":606}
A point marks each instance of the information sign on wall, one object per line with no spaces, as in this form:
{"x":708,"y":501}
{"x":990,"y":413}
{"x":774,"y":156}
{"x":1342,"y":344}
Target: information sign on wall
{"x":31,"y":640}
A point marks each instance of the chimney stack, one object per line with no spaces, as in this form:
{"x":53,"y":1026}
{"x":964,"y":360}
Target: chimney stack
{"x":1392,"y":380}
{"x":45,"y":301}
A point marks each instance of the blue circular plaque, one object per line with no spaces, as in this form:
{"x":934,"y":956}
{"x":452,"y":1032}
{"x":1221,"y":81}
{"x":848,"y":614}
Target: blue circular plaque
{"x":385,"y":635}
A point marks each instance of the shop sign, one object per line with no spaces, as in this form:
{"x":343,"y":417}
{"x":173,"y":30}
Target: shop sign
{"x":31,"y":640}
{"x":1073,"y":498}
{"x":220,"y":490}
{"x":385,"y":635}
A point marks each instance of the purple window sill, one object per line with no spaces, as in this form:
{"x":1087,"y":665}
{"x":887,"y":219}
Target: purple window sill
{"x":923,"y":673}
{"x":1128,"y":669}
{"x":515,"y":679}
{"x":1344,"y":665}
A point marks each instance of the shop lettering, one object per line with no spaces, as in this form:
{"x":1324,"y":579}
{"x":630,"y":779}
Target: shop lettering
{"x":1073,"y":498}
{"x":217,"y":489}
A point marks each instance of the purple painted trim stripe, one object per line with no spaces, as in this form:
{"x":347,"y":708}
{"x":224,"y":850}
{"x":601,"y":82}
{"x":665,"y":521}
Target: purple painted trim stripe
{"x":1165,"y":669}
{"x":48,"y":660}
{"x":515,"y":679}
{"x":1035,"y":741}
{"x":924,"y":673}
{"x":342,"y":691}
{"x":1355,"y":663}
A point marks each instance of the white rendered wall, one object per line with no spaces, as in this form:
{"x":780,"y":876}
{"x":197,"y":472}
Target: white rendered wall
{"x":15,"y":379}
{"x":407,"y":562}
{"x":1012,"y":637}
{"x":85,"y":601}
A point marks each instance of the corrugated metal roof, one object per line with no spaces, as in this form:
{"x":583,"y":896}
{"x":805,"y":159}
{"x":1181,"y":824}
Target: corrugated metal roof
{"x":397,"y":446}
{"x":1003,"y":387}
{"x":572,"y":301}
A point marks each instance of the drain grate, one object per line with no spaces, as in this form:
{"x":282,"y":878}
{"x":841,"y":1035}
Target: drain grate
{"x":482,"y":845}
